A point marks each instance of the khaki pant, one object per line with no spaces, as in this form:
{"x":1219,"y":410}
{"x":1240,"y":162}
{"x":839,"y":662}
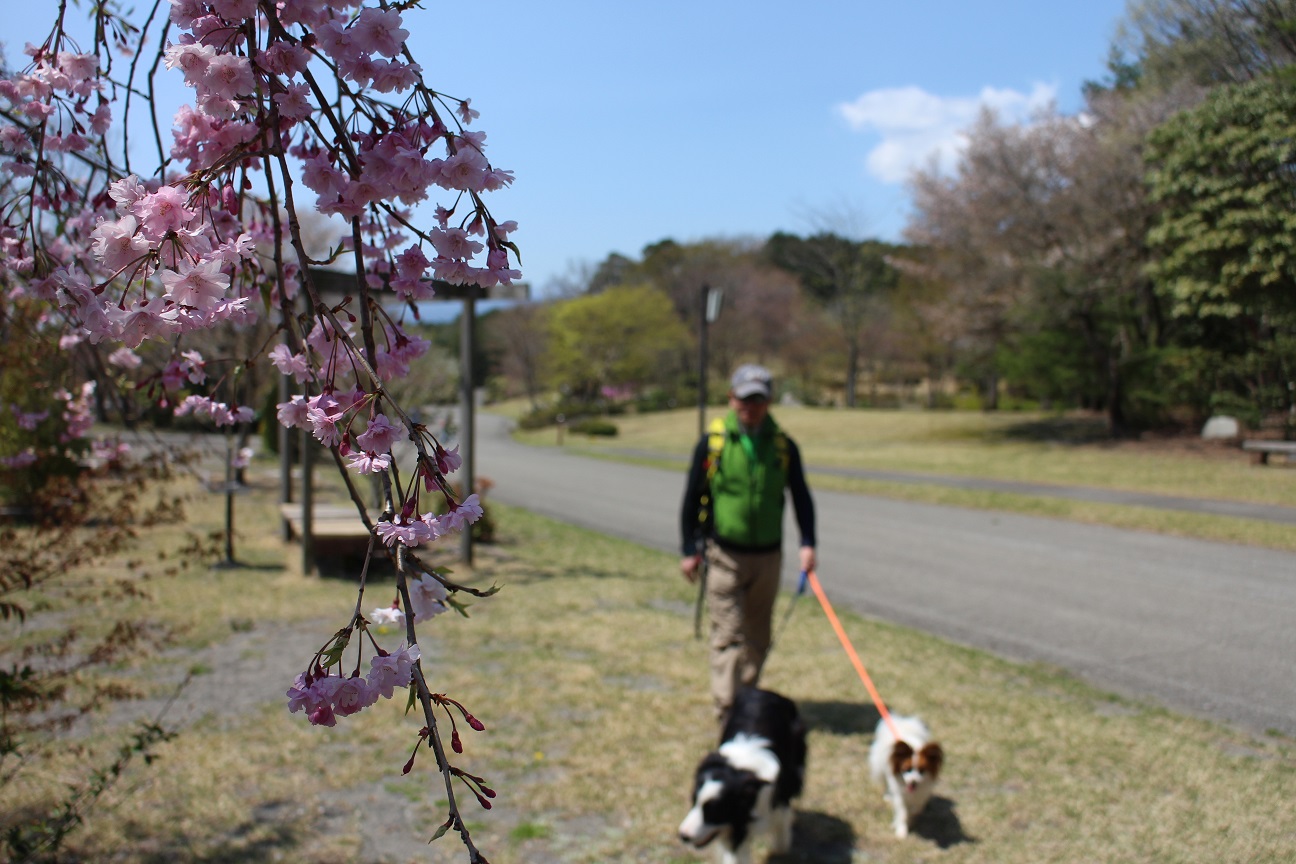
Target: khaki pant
{"x":741,"y":590}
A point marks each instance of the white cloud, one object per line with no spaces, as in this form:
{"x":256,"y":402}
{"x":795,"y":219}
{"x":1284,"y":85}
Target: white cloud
{"x":915,"y":126}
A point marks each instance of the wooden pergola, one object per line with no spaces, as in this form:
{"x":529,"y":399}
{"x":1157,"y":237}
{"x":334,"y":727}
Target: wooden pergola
{"x":333,"y":287}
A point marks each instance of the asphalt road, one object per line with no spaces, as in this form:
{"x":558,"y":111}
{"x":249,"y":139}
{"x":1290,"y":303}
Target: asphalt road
{"x":1205,"y":628}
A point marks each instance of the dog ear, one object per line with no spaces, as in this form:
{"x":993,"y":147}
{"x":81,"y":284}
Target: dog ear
{"x":932,"y":757}
{"x":901,"y":753}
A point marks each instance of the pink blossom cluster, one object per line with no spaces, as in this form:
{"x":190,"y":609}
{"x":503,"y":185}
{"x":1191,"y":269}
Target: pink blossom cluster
{"x":22,"y":459}
{"x":188,"y":367}
{"x":28,"y":420}
{"x":156,"y":259}
{"x":78,"y":411}
{"x":394,"y":165}
{"x":324,"y":697}
{"x":297,"y":105}
{"x":219,"y":413}
{"x":155,"y":269}
{"x":55,"y":95}
{"x":108,"y":451}
{"x":428,"y":527}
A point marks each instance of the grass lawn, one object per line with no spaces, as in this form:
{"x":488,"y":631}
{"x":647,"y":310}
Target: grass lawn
{"x":594,"y":694}
{"x":1014,"y":446}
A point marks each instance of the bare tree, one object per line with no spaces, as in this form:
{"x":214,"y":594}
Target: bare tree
{"x":852,"y":279}
{"x":519,"y":333}
{"x":1042,"y":228}
{"x":1208,"y":41}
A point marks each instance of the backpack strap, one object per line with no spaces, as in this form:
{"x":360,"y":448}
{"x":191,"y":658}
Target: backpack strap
{"x":716,"y":435}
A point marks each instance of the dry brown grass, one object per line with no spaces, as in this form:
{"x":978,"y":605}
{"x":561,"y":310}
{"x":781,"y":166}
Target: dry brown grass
{"x":594,"y":693}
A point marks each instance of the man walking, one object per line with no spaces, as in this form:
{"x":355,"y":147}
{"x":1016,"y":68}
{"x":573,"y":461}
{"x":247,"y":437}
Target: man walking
{"x":733,"y":514}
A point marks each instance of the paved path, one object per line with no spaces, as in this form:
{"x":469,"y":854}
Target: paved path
{"x":1238,"y":509}
{"x":1201,"y":627}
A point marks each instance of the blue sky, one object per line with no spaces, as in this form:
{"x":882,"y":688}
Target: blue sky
{"x":633,"y":122}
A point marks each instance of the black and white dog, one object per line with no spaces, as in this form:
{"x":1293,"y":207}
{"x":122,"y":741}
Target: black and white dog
{"x":749,"y":782}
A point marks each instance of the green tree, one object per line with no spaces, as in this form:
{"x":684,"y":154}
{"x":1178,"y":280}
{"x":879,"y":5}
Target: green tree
{"x":1224,"y":174}
{"x":623,"y":337}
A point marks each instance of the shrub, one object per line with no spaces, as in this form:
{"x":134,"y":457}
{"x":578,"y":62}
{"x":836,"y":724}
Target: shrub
{"x":539,"y":418}
{"x":596,"y":426}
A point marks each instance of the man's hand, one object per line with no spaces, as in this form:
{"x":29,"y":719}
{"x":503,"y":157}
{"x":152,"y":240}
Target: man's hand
{"x":807,"y":556}
{"x":689,"y":566}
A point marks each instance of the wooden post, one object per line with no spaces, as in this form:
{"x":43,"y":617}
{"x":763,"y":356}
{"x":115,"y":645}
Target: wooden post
{"x":285,"y":461}
{"x":308,"y":502}
{"x":467,"y":420}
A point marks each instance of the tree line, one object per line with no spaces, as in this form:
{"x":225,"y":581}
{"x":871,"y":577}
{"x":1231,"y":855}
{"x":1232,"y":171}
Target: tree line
{"x":1135,"y":259}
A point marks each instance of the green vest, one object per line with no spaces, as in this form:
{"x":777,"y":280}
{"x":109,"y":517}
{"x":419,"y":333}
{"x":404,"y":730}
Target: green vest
{"x":747,"y":479}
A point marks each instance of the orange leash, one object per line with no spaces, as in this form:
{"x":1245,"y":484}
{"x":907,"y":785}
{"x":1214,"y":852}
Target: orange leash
{"x":850,"y":652}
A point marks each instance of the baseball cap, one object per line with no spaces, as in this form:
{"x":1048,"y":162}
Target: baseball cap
{"x":750,"y":380}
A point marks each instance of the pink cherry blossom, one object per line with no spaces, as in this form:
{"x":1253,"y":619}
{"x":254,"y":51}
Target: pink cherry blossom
{"x":234,"y":11}
{"x":193,"y":59}
{"x":448,"y":461}
{"x":228,"y":76}
{"x":125,"y":358}
{"x":194,"y":365}
{"x":323,"y":412}
{"x":117,"y":243}
{"x":353,"y":695}
{"x":392,"y":671}
{"x":288,"y":363}
{"x":409,"y":533}
{"x":78,"y":66}
{"x":377,"y":31}
{"x":126,"y":192}
{"x":202,"y":240}
{"x":302,"y":696}
{"x":28,"y":420}
{"x":198,"y":285}
{"x":21,"y":459}
{"x":454,"y":243}
{"x":294,"y":103}
{"x":387,"y":616}
{"x":369,"y":463}
{"x":465,"y":171}
{"x":162,"y":211}
{"x":461,"y":515}
{"x":427,"y":597}
{"x":380,"y":435}
{"x":293,"y":413}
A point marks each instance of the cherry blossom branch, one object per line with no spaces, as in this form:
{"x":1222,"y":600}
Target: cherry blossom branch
{"x":125,"y":260}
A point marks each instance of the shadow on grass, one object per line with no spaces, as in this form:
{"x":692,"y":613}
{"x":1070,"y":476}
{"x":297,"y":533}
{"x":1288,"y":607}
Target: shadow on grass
{"x":1058,"y":430}
{"x":544,"y":574}
{"x":263,"y":838}
{"x":940,"y":824}
{"x":250,"y":568}
{"x":840,"y":718}
{"x":819,"y":838}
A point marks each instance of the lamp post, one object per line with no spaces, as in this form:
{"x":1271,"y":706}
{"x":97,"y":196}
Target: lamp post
{"x":708,"y":311}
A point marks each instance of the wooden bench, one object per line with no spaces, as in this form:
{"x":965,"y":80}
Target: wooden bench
{"x":338,"y":522}
{"x":1261,"y":450}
